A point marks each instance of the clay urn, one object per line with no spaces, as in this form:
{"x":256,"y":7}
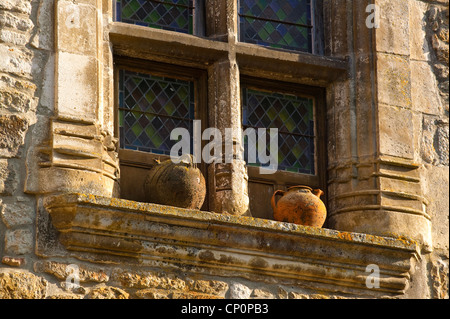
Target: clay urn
{"x":176,"y":184}
{"x":299,"y":205}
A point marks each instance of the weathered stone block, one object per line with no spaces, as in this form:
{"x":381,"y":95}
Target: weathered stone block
{"x":12,"y":133}
{"x":62,"y":271}
{"x":434,"y":146}
{"x":65,"y":296}
{"x":80,"y":21}
{"x":419,"y":48}
{"x":191,"y":295}
{"x":436,"y":190}
{"x":77,"y":86}
{"x":394,"y":80}
{"x":22,"y":6}
{"x":213,"y":287}
{"x":262,"y":294}
{"x":17,"y":94}
{"x":152,"y":293}
{"x":440,"y":47}
{"x":107,"y":292}
{"x":19,"y":241}
{"x":43,"y":38}
{"x":21,"y":285}
{"x":16,"y":60}
{"x":146,"y":279}
{"x":13,"y":37}
{"x":391,"y":186}
{"x":15,"y":100}
{"x":61,"y":179}
{"x":393,"y":34}
{"x":12,"y":82}
{"x":17,"y":214}
{"x":13,"y":261}
{"x":239,"y":291}
{"x":396,"y":131}
{"x":390,"y":223}
{"x":424,"y":92}
{"x":440,"y":279}
{"x":8,"y":177}
{"x":14,"y":21}
{"x":296,"y":295}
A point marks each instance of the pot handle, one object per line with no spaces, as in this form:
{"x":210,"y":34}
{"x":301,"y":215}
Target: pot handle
{"x":318,"y":192}
{"x":278,"y":192}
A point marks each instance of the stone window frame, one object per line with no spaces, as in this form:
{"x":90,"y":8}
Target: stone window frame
{"x":80,"y":162}
{"x":202,"y":55}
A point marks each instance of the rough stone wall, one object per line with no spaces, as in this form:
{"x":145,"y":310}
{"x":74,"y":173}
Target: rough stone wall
{"x":53,"y":280}
{"x":25,"y":48}
{"x":431,"y":31}
{"x":26,"y":103}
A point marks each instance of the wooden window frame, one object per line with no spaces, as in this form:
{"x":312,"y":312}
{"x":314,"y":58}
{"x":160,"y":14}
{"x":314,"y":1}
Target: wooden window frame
{"x":139,"y":160}
{"x":284,"y":179}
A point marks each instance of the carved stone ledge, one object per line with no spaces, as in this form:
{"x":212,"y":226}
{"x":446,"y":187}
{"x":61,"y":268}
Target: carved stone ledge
{"x":111,"y":230}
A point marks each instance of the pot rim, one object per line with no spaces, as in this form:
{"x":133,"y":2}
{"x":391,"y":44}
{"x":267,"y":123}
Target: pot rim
{"x":300,"y":186}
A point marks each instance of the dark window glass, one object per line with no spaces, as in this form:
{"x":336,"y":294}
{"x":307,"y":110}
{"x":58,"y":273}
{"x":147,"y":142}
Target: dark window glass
{"x":285,"y":24}
{"x":173,"y":15}
{"x":293,"y":116}
{"x":150,"y":107}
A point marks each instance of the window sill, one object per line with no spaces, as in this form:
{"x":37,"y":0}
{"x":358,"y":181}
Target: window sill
{"x":112,"y":230}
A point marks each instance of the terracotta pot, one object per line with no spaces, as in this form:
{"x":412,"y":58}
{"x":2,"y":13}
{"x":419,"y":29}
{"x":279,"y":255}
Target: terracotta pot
{"x":299,"y":205}
{"x":176,"y":184}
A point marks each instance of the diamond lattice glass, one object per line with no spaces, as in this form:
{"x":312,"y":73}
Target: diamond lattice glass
{"x":282,"y":24}
{"x":173,"y":15}
{"x":293,"y":116}
{"x":150,"y":107}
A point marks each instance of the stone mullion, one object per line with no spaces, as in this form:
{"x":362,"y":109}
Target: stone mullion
{"x":228,"y":190}
{"x":228,"y":179}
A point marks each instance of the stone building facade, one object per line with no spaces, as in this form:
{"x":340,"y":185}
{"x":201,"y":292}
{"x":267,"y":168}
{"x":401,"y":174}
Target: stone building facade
{"x":64,"y":220}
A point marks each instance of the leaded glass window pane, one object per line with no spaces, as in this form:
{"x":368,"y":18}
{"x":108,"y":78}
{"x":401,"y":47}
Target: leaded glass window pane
{"x":173,"y":15}
{"x":150,"y":107}
{"x":285,"y":24}
{"x":293,"y":116}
